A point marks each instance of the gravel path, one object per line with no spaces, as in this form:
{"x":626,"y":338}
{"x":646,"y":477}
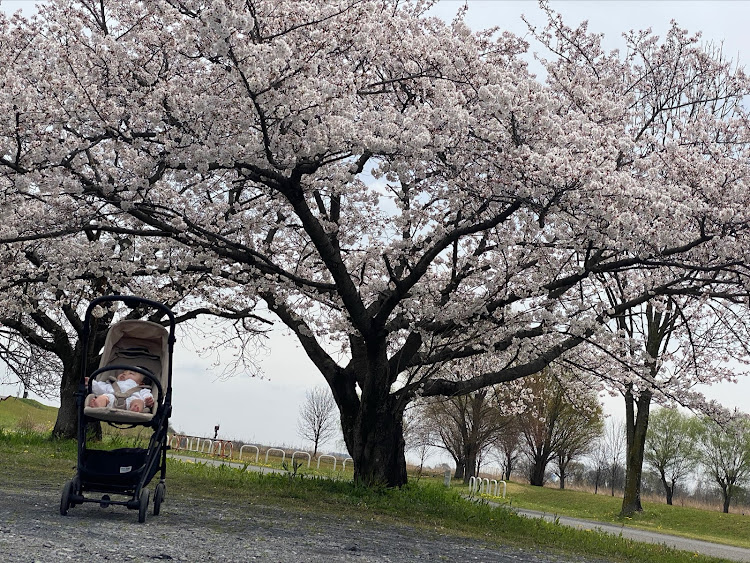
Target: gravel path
{"x":31,"y":529}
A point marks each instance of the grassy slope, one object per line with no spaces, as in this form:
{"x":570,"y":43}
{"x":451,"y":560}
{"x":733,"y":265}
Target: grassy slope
{"x":26,"y":414}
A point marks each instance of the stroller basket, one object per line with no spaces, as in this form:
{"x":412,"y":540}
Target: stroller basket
{"x":123,"y":466}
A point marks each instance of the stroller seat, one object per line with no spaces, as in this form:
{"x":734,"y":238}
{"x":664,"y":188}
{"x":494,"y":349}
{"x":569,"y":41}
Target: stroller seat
{"x":132,"y":343}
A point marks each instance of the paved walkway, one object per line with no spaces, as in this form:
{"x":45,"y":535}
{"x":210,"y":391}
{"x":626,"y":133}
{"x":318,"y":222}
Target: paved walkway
{"x":685,"y":544}
{"x":236,"y":464}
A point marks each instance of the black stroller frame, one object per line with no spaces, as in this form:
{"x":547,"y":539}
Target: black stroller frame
{"x":123,"y":471}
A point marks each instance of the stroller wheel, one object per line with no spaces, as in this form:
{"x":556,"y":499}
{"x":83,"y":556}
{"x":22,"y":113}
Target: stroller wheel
{"x":65,"y":500}
{"x":104,"y":503}
{"x":75,"y":492}
{"x":143,"y":507}
{"x":159,"y":494}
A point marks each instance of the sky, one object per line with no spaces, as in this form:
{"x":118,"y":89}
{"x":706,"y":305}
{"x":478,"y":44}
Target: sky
{"x":265,"y":409}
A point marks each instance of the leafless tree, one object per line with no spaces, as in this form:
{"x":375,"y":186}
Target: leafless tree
{"x":35,"y":370}
{"x":317,"y":419}
{"x":420,"y":435}
{"x":614,"y":443}
{"x":507,"y":448}
{"x":467,"y":426}
{"x":599,"y":462}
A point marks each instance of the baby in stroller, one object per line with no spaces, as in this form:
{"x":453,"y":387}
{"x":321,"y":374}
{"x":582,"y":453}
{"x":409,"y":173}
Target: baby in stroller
{"x":126,"y":391}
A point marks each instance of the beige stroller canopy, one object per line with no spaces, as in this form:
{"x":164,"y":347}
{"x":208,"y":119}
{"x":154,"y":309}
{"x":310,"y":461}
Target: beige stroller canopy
{"x":136,"y":343}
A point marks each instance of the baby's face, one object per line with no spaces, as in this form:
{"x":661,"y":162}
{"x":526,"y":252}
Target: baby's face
{"x":134,"y":375}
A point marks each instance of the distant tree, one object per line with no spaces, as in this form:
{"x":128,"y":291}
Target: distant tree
{"x":671,"y":447}
{"x":507,"y":447}
{"x":420,"y":435}
{"x":467,"y":425}
{"x":556,"y":420}
{"x":725,"y":454}
{"x":598,"y":457}
{"x":317,"y":419}
{"x":578,"y":430}
{"x":614,"y":443}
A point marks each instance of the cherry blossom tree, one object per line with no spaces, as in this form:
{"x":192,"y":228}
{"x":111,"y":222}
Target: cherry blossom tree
{"x":28,"y":366}
{"x":47,"y":283}
{"x":400,"y":192}
{"x":680,"y":94}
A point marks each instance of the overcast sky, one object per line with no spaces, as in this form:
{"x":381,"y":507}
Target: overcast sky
{"x":265,"y":410}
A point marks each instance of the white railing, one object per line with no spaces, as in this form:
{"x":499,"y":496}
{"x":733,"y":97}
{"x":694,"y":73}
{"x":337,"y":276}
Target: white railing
{"x":333,"y":457}
{"x":487,"y":487}
{"x":343,"y":463}
{"x":257,"y":451}
{"x":309,"y":458}
{"x":283,"y":453}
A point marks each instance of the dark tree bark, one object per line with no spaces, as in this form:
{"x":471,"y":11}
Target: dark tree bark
{"x":371,"y":420}
{"x":668,"y":487}
{"x":660,"y":325}
{"x":636,"y":423}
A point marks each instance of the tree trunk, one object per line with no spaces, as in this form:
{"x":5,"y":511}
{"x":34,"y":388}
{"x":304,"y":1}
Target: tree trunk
{"x":471,"y":465}
{"x":636,"y":424}
{"x":371,"y":419}
{"x":536,"y":477}
{"x":376,"y":444}
{"x":508,"y":469}
{"x":727,"y":497}
{"x":66,"y":425}
{"x":668,"y":489}
{"x":562,"y":467}
{"x":460,"y":470}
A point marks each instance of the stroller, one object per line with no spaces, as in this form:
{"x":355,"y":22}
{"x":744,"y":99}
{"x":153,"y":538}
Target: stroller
{"x":144,"y":347}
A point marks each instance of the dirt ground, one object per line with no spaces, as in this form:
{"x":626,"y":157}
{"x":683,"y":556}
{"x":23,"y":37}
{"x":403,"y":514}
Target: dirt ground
{"x":191,"y":529}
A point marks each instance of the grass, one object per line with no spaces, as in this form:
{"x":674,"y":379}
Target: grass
{"x":26,"y":414}
{"x":713,"y":526}
{"x":30,"y":458}
{"x":426,"y":506}
{"x":33,"y":458}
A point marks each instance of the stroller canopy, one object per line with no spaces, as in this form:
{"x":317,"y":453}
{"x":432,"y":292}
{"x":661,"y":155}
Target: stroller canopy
{"x":135,"y":343}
